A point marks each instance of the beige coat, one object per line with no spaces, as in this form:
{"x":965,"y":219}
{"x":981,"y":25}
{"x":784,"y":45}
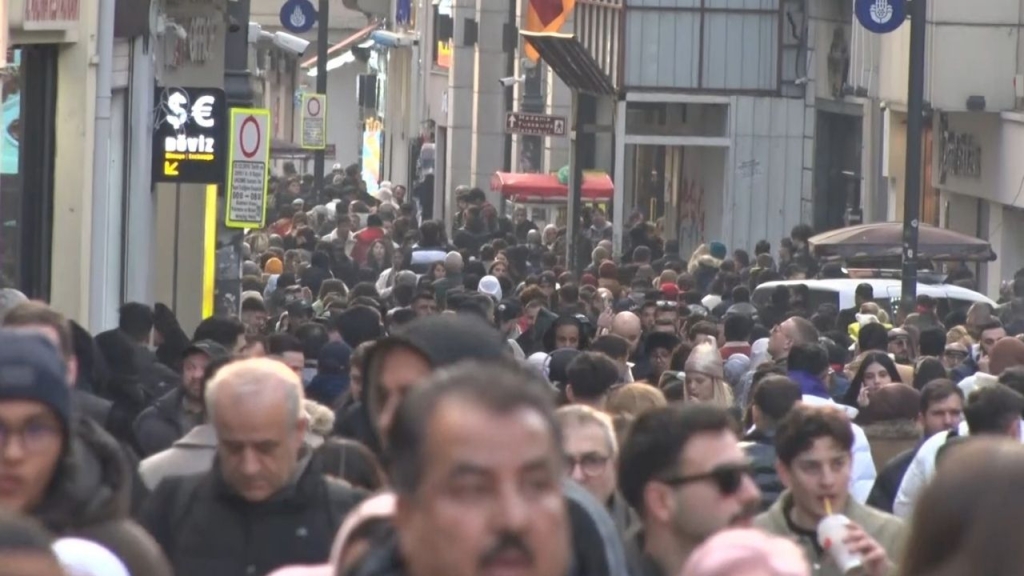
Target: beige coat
{"x":886,"y":529}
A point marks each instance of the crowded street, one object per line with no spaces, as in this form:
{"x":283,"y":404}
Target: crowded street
{"x":291,"y":287}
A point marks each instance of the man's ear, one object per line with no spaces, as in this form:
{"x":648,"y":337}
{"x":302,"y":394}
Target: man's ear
{"x":784,"y":473}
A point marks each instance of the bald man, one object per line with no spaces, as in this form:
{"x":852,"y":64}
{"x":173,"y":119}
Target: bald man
{"x":628,"y":326}
{"x":266,"y":503}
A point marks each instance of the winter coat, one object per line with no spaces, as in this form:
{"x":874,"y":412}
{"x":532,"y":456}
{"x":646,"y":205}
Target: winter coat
{"x":890,"y":438}
{"x":353,"y":422}
{"x":160,"y":425}
{"x":886,"y":529}
{"x":90,"y":497}
{"x":883,"y":493}
{"x":192,"y":454}
{"x":205,"y":528}
{"x":759,"y":447}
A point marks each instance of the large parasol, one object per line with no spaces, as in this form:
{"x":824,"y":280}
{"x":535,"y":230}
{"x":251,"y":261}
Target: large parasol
{"x":885,"y":240}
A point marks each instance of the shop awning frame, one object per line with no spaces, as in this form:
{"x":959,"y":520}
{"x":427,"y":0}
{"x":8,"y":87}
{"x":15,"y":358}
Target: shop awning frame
{"x":345,"y":44}
{"x":571,"y":62}
{"x":529,"y":187}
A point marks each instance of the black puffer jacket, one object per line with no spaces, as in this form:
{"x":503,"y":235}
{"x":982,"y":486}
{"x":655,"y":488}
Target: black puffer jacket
{"x":760,"y":449}
{"x":205,"y":528}
{"x":160,"y":425}
{"x":90,"y":498}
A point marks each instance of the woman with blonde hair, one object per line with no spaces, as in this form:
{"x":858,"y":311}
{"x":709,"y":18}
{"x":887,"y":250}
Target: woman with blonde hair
{"x":705,"y":377}
{"x":634,"y":399}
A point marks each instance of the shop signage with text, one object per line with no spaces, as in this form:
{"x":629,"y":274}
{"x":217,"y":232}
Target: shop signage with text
{"x":188,"y":137}
{"x":51,"y":14}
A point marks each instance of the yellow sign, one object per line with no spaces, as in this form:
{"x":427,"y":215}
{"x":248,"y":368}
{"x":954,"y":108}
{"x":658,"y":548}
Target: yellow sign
{"x":170,"y":168}
{"x":313,"y":121}
{"x":444,"y":53}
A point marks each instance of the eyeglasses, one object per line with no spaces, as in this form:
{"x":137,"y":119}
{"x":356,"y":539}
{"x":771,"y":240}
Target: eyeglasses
{"x":34,"y":436}
{"x":667,"y":304}
{"x":727,"y":478}
{"x":591,"y":464}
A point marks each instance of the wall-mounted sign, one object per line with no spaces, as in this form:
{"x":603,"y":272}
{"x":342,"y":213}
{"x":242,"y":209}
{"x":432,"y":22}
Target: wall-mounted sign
{"x":189,"y":134}
{"x":298,"y":16}
{"x":313,"y":122}
{"x":881,"y":16}
{"x":51,"y":14}
{"x":246,"y":185}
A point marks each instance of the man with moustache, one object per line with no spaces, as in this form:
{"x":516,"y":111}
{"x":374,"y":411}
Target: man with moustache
{"x":683,"y":471}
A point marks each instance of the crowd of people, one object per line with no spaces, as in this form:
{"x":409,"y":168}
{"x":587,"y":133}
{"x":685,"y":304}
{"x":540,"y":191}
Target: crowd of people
{"x":397,"y":397}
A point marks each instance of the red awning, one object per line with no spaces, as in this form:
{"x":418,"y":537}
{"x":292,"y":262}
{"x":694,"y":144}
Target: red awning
{"x":546,"y":187}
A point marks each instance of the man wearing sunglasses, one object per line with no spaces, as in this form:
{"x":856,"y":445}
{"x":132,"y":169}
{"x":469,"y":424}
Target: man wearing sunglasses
{"x":684,"y":473}
{"x":814,"y":445}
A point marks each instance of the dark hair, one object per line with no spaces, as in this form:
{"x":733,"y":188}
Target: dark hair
{"x":702,"y":327}
{"x":566,"y":320}
{"x":680,"y":355}
{"x":278,"y":344}
{"x":882,"y":358}
{"x":775,"y":396}
{"x":762,"y":247}
{"x":804,"y":424}
{"x":313,"y":337}
{"x":611,"y":345}
{"x":931,"y":342}
{"x":740,"y":293}
{"x":865,"y":291}
{"x":500,"y":387}
{"x":136,"y":320}
{"x":873,"y":336}
{"x":991,"y":409}
{"x":938,"y":391}
{"x":223,"y":330}
{"x":807,"y":357}
{"x":742,"y":257}
{"x":737,"y":327}
{"x":591,"y":375}
{"x":927,"y":370}
{"x":1014,"y":378}
{"x":656,"y":442}
{"x":352,"y":462}
{"x":642,"y":255}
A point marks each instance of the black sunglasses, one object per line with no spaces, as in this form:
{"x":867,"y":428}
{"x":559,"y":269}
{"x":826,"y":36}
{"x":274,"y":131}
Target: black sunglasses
{"x":727,"y":478}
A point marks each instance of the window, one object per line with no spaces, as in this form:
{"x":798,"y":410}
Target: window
{"x":10,"y":179}
{"x":443,"y":31}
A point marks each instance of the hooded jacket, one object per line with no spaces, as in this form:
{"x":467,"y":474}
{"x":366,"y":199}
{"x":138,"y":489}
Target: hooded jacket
{"x":90,"y":497}
{"x":205,"y":528}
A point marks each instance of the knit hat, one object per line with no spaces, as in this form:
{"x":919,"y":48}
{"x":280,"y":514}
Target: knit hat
{"x":32,"y":369}
{"x":1006,"y":353}
{"x":670,"y":290}
{"x":489,"y":285}
{"x":706,"y":359}
{"x":718,"y":250}
{"x":273,"y":266}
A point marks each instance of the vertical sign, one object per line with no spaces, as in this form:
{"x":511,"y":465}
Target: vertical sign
{"x":248,"y":159}
{"x":314,"y":121}
{"x":51,"y":14}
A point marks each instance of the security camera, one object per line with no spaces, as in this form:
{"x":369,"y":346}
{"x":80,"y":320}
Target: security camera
{"x":509,"y":81}
{"x":291,"y":43}
{"x":392,"y":40}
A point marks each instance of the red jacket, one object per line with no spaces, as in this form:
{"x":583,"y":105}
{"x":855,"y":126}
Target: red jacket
{"x":364,"y":239}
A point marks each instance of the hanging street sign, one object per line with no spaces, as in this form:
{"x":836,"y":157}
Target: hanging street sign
{"x":249,"y":156}
{"x":314,"y":121}
{"x":189,"y":134}
{"x":534,"y":124}
{"x":298,"y":16}
{"x":881,"y":16}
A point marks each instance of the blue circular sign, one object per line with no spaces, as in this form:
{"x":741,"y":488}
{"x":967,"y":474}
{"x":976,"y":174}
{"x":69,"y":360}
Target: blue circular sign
{"x":298,"y":16}
{"x":881,"y":16}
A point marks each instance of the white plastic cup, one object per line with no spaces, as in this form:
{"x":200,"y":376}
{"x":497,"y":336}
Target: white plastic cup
{"x":832,"y":530}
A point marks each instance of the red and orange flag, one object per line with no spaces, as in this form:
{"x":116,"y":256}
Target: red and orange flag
{"x":546,"y":16}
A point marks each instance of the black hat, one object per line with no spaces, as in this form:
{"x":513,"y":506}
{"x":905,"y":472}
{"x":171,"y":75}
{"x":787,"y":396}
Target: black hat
{"x":209,"y":347}
{"x":31,"y":368}
{"x":508,"y":310}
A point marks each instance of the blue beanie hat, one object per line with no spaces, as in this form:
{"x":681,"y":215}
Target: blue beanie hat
{"x":718,"y":250}
{"x":32,"y":369}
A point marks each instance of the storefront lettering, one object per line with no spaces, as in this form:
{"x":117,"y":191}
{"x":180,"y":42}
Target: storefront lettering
{"x":960,"y":154}
{"x":52,"y":10}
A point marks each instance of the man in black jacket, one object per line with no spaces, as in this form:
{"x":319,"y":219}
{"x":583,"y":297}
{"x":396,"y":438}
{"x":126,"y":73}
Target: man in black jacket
{"x":774,"y":397}
{"x":266,"y":503}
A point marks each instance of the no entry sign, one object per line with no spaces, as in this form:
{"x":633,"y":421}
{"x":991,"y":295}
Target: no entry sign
{"x":246,"y":190}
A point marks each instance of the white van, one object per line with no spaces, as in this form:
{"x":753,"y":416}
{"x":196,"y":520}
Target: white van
{"x":840,"y":293}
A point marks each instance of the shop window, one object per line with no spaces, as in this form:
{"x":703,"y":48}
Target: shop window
{"x":28,"y":104}
{"x":444,"y":27}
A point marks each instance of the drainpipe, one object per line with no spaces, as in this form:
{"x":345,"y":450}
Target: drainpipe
{"x":103,"y":253}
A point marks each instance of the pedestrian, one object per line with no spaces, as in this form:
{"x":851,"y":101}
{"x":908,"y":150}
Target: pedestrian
{"x":266,"y":503}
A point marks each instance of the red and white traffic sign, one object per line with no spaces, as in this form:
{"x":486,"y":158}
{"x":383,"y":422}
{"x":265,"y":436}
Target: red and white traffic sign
{"x":247,"y":168}
{"x":313,"y":122}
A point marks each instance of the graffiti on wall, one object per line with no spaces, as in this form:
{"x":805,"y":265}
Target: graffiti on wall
{"x":691,"y":215}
